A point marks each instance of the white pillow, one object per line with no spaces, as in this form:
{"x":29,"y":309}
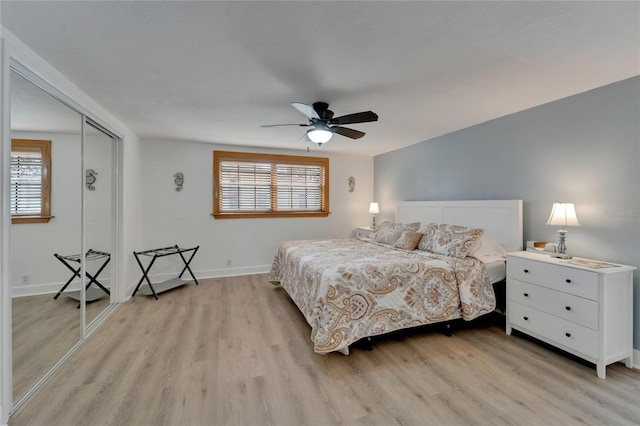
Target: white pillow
{"x":488,"y":250}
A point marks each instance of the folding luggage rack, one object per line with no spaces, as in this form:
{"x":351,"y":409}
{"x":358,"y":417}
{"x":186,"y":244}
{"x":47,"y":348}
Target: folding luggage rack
{"x":91,"y":294}
{"x":154,"y":289}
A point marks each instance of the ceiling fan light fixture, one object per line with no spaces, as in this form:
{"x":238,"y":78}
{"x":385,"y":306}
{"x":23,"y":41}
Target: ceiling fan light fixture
{"x":319,"y":136}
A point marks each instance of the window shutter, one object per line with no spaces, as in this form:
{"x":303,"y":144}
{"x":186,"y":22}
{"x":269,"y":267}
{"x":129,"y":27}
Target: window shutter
{"x":26,"y":183}
{"x":298,"y":188}
{"x":255,"y":185}
{"x":245,"y":186}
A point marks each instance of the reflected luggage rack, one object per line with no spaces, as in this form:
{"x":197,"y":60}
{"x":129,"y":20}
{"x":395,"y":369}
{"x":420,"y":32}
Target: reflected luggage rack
{"x":92,"y":294}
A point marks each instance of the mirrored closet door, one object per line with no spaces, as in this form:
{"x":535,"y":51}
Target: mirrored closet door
{"x":99,"y":213}
{"x":46,"y":204}
{"x":63,"y":236}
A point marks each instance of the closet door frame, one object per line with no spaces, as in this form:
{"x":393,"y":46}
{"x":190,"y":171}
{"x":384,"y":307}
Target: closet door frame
{"x":87,"y":328}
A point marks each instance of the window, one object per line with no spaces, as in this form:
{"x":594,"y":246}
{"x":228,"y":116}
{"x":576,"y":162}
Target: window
{"x":30,"y":181}
{"x":264,"y":185}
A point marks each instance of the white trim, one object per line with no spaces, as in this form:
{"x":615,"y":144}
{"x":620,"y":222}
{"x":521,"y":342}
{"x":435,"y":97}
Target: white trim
{"x":636,"y":359}
{"x":49,"y":288}
{"x":5,"y":224}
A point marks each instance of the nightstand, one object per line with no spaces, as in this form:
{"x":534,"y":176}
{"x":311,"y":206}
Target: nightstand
{"x":363,"y":231}
{"x":586,"y":311}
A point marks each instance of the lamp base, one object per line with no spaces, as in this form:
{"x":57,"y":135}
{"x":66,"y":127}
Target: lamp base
{"x":562,"y":247}
{"x":562,"y":256}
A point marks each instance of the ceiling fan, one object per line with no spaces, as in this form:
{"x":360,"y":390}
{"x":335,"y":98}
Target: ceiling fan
{"x":324,"y":125}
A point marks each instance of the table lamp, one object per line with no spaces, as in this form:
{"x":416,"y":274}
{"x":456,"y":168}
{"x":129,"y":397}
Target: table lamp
{"x":563,"y":215}
{"x":374,"y":210}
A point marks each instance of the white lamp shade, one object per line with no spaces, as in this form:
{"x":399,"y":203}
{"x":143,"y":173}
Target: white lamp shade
{"x":374,"y":209}
{"x":563,"y":214}
{"x":319,"y":136}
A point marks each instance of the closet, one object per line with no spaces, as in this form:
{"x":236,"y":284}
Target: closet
{"x":76,"y":178}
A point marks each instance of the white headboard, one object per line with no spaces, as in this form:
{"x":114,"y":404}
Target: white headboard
{"x":500,"y":219}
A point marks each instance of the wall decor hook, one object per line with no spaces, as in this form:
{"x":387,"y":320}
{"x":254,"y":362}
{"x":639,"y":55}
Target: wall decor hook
{"x":179,"y":180}
{"x":90,"y":179}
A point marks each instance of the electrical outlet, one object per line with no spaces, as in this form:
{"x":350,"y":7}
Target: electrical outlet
{"x":26,"y":279}
{"x":228,"y":263}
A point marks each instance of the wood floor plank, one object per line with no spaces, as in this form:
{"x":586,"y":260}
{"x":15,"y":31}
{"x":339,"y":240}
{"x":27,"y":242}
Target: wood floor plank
{"x":44,"y":329}
{"x":236,"y":351}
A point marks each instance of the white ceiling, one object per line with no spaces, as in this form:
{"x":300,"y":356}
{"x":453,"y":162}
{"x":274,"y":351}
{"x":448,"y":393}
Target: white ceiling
{"x":216,"y":71}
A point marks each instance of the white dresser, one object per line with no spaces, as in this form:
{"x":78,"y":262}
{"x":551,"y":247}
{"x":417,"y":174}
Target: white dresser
{"x":585,"y":311}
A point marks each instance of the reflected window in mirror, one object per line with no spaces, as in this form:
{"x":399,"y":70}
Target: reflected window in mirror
{"x":30,"y":181}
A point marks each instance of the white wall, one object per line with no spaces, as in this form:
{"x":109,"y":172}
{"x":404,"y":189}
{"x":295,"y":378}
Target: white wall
{"x":184,"y":218}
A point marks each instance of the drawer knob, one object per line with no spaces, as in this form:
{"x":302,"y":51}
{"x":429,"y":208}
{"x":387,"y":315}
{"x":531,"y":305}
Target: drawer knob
{"x":526,"y":318}
{"x":567,"y":334}
{"x":568,"y":281}
{"x":526,"y":295}
{"x":568,"y":308}
{"x":526,"y":271}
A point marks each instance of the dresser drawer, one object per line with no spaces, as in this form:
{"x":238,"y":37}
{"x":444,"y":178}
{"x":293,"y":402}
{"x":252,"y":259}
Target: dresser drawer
{"x":581,"y":339}
{"x":569,"y":307}
{"x":558,"y":277}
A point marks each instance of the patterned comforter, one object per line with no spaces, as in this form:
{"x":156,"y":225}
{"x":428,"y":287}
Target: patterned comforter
{"x":349,"y":289}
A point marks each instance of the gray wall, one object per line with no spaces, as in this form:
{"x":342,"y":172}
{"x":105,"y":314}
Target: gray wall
{"x":583,"y":149}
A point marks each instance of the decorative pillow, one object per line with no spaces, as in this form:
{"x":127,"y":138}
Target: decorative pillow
{"x":408,"y":240}
{"x":450,"y":240}
{"x":428,"y":232}
{"x":390,"y":236}
{"x":413,"y":226}
{"x":388,"y":232}
{"x":381,"y":227}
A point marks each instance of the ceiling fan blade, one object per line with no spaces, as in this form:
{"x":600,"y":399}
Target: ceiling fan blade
{"x":305,"y":109}
{"x":358,"y":117}
{"x":350,"y":133}
{"x":305,"y":138}
{"x":279,"y":125}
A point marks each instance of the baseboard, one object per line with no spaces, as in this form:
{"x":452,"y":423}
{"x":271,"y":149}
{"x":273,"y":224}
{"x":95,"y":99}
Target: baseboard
{"x":232,"y":272}
{"x":52,"y":288}
{"x":636,"y":359}
{"x":47,"y":288}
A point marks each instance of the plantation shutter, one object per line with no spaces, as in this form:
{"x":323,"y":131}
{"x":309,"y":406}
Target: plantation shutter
{"x":299,"y":188}
{"x":26,"y":182}
{"x":245,"y":186}
{"x":254,"y":185}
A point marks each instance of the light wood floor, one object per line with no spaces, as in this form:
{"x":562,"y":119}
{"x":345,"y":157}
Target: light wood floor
{"x":236,"y":351}
{"x":43,"y":331}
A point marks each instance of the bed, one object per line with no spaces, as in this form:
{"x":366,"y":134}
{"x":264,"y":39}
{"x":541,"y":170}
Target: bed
{"x":350,"y":289}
